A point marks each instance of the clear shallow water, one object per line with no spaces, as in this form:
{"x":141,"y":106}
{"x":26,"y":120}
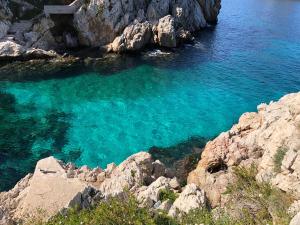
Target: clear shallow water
{"x":252,"y":56}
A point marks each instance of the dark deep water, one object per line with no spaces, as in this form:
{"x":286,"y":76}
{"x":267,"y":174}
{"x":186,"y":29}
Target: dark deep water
{"x":155,"y":99}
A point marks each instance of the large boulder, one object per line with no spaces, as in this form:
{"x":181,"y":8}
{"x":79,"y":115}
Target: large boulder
{"x":134,"y":38}
{"x":268,"y":138}
{"x":130,"y":174}
{"x":190,"y":198}
{"x":166,"y":35}
{"x":12,"y":50}
{"x":149,"y":195}
{"x":46,"y":192}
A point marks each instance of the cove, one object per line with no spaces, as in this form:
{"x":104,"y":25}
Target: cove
{"x":110,"y":112}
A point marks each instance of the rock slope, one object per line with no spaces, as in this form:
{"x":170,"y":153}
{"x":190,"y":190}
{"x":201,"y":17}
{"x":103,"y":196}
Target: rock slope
{"x":54,"y":187}
{"x":269,"y":138}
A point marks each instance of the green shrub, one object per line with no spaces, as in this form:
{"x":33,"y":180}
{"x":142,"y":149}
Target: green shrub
{"x":278,"y":157}
{"x":167,"y":194}
{"x":204,"y":216}
{"x":258,"y":202}
{"x":112,"y":212}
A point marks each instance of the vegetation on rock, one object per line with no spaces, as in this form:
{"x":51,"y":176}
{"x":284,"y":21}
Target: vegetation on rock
{"x":251,"y":202}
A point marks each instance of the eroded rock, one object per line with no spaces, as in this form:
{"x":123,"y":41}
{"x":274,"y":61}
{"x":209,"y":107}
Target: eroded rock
{"x":190,"y":198}
{"x":257,"y":138}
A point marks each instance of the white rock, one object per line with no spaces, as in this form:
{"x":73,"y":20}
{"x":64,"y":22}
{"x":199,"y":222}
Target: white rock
{"x":295,"y":220}
{"x":190,"y":198}
{"x":150,"y":195}
{"x":134,"y":172}
{"x":134,"y":38}
{"x":166,"y":32}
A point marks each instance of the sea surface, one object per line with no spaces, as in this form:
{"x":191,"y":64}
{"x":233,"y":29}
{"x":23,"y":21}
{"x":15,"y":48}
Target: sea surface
{"x":158,"y":98}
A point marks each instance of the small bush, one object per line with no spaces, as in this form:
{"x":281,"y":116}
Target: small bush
{"x":204,"y":216}
{"x":278,"y":157}
{"x":258,"y":202}
{"x":114,"y":211}
{"x":166,"y":194}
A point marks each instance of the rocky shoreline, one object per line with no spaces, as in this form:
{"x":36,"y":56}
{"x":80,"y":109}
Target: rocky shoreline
{"x":268,"y":140}
{"x":107,"y":26}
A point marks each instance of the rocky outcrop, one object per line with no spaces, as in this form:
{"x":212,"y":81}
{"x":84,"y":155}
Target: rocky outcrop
{"x":46,"y":192}
{"x":115,"y":26}
{"x":134,"y":38}
{"x":166,"y":35}
{"x":269,"y":138}
{"x":54,"y":187}
{"x":211,"y":10}
{"x":5,"y":17}
{"x":12,"y":50}
{"x":190,"y":198}
{"x":126,"y":26}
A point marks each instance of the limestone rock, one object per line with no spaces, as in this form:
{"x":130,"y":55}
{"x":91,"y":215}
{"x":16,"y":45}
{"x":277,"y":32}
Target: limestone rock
{"x":295,"y":220}
{"x":159,"y":169}
{"x":100,"y":22}
{"x":166,"y":34}
{"x":165,"y":205}
{"x":4,"y":27}
{"x":134,"y":38}
{"x":48,"y":191}
{"x":43,"y":37}
{"x":190,"y":198}
{"x":150,"y":195}
{"x":188,"y":15}
{"x":134,"y":172}
{"x":158,"y":9}
{"x":10,"y":49}
{"x":211,"y":9}
{"x":256,"y":138}
{"x":5,"y":12}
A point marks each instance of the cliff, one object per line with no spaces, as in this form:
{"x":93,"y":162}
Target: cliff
{"x":267,"y":140}
{"x":115,"y":26}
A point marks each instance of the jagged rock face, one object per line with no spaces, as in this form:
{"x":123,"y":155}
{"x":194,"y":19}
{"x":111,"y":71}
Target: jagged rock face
{"x":166,"y":35}
{"x":5,"y":17}
{"x":257,"y":138}
{"x":188,"y":15}
{"x":4,"y":27}
{"x":158,"y":9}
{"x":132,"y":173}
{"x":134,"y":38}
{"x":5,"y":12}
{"x":190,"y":198}
{"x":101,"y":22}
{"x":211,"y":9}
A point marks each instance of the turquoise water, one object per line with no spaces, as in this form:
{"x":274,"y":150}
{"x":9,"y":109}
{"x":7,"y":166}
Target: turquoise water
{"x":135,"y":102}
